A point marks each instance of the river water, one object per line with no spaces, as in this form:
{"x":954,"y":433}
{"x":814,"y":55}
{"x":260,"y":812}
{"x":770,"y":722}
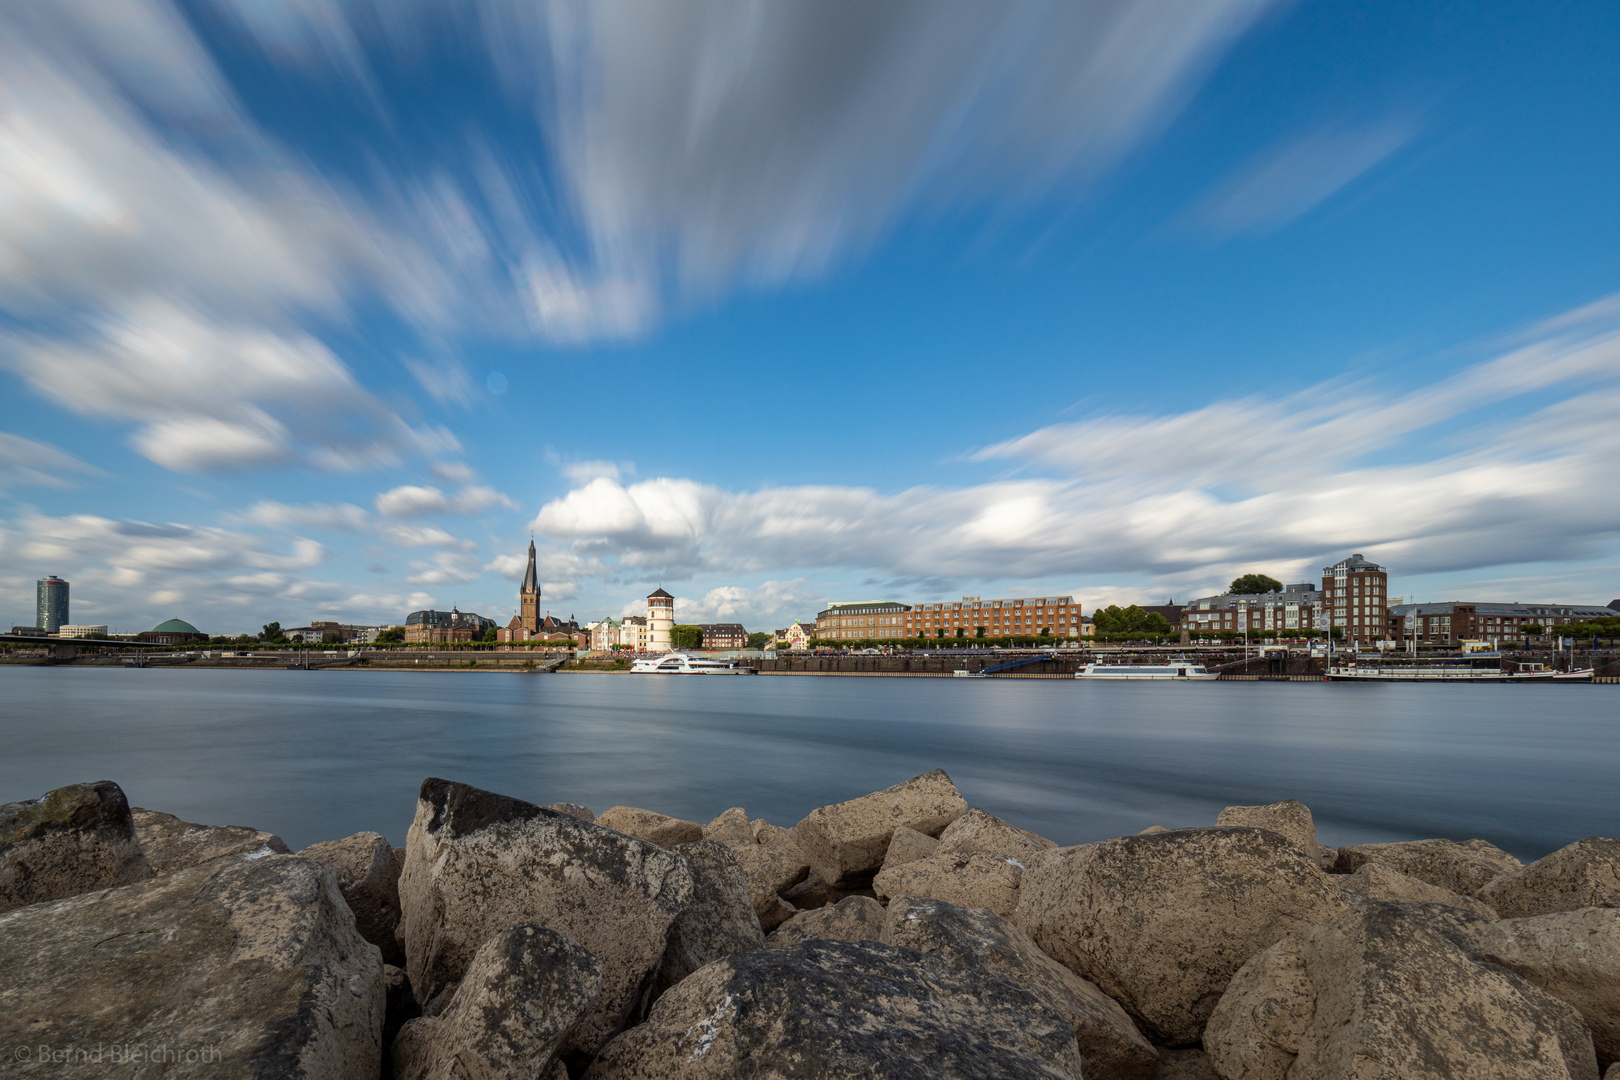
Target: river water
{"x":317,"y":755}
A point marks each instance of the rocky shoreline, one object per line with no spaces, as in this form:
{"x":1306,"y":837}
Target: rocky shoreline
{"x":903,"y":934}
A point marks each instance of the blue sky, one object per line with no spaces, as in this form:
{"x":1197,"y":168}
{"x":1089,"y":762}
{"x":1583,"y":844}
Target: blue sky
{"x":316,"y":310}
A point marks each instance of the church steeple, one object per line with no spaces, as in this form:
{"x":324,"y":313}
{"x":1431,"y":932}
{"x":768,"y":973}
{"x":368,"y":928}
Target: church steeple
{"x":531,"y":580}
{"x":529,"y":596}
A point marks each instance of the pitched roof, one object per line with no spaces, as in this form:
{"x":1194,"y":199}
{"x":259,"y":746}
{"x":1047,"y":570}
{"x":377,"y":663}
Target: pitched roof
{"x":659,"y":593}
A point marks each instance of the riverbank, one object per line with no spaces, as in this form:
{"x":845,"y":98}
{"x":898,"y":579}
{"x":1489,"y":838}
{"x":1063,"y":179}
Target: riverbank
{"x":903,"y":934}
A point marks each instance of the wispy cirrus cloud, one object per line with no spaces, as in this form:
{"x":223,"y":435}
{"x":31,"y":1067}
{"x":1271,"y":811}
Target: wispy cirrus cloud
{"x":1292,"y":179}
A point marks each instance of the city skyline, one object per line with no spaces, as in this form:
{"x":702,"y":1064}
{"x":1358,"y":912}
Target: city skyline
{"x":315,"y":312}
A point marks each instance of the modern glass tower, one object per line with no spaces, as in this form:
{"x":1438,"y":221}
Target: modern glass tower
{"x":50,"y":603}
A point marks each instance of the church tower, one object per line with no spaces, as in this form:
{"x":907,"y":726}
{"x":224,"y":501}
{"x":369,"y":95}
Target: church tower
{"x":529,"y":596}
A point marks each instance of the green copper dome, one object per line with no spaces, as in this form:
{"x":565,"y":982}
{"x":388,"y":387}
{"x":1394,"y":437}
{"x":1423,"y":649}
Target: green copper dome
{"x":175,"y":626}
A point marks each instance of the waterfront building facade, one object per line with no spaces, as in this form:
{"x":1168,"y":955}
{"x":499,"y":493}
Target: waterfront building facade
{"x":1355,"y":594}
{"x":1292,"y":609}
{"x":50,"y":603}
{"x":81,"y":630}
{"x":728,"y":635}
{"x":1026,"y":616}
{"x":633,"y":632}
{"x":451,"y":627}
{"x":798,"y":635}
{"x":660,"y":620}
{"x":857,"y":622}
{"x":1446,"y":624}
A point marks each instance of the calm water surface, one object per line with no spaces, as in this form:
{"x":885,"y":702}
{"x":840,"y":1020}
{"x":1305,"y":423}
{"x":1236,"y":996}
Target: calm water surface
{"x":317,"y":755}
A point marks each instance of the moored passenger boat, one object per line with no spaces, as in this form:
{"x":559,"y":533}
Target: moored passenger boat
{"x":676,"y":663}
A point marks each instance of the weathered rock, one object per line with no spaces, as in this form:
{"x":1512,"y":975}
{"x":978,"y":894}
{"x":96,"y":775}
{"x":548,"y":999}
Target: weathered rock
{"x":776,"y":916}
{"x":1583,"y":874}
{"x":771,"y":869}
{"x":766,"y":833}
{"x":812,"y":893}
{"x":1327,"y":857}
{"x":1380,"y":991}
{"x":574,"y":810}
{"x":1573,"y":955}
{"x":843,"y":1009}
{"x":367,"y":872}
{"x":660,"y":829}
{"x":719,"y":921}
{"x":72,"y":840}
{"x":1289,"y":818}
{"x":523,"y":991}
{"x":241,"y":968}
{"x":846,"y":842}
{"x":1456,"y":867}
{"x":1161,"y":922}
{"x":972,"y":879}
{"x":1185,"y":1065}
{"x":477,"y":863}
{"x":908,"y":845}
{"x":730,"y":827}
{"x":1612,"y":1072}
{"x":1151,"y":829}
{"x":978,"y":830}
{"x":171,"y":844}
{"x":854,"y":918}
{"x":1110,"y":1045}
{"x":1375,"y":881}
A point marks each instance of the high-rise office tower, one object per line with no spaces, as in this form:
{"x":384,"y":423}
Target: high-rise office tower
{"x":50,"y":603}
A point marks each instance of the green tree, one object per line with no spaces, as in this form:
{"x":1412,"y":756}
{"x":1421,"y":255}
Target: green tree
{"x":390,"y":637}
{"x":244,"y":639}
{"x":686,"y":637}
{"x":758,"y":639}
{"x":272,"y":634}
{"x":488,"y":635}
{"x":331,"y":638}
{"x":1249,"y":584}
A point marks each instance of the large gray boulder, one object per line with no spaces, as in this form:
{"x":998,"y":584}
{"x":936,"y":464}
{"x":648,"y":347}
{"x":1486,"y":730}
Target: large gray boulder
{"x":477,"y":863}
{"x":1375,"y":881}
{"x":846,"y":842}
{"x":843,"y":1009}
{"x":648,"y":825}
{"x":719,"y":921}
{"x":72,"y":840}
{"x":731,"y":827}
{"x":1110,"y":1046}
{"x":983,"y":832}
{"x":367,"y":871}
{"x":171,"y":844}
{"x":524,"y":990}
{"x":1583,"y":874}
{"x":1290,"y":818}
{"x":1459,"y":867}
{"x":771,"y":869}
{"x":1160,"y":922}
{"x":1573,"y":955}
{"x":1382,"y":991}
{"x":854,"y":918}
{"x":241,"y":969}
{"x":971,"y":879}
{"x":908,"y":845}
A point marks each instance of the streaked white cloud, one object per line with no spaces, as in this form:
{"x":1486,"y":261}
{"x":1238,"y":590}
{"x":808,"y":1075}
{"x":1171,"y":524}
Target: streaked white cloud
{"x":1186,"y":498}
{"x":1290,"y":180}
{"x":26,"y":462}
{"x":411,"y":500}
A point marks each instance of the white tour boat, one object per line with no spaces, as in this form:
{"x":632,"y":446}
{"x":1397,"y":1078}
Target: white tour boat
{"x":676,"y":663}
{"x":1179,"y":670}
{"x":1444,"y":673}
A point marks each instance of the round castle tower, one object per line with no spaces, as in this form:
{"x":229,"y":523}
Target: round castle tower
{"x":660,"y":620}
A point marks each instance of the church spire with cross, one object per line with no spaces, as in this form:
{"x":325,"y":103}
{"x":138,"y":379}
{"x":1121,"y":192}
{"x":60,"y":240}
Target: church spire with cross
{"x":529,"y":595}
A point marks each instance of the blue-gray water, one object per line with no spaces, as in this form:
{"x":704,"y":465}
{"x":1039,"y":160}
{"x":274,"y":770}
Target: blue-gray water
{"x":317,"y":755}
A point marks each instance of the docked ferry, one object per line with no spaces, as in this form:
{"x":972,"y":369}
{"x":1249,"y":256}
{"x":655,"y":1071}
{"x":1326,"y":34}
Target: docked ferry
{"x":1452,"y":673}
{"x":1179,"y":670}
{"x":676,"y":663}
